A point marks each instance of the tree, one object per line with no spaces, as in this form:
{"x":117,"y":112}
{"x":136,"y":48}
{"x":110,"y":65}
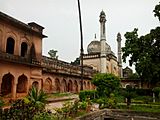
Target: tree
{"x":53,"y":53}
{"x":76,"y":62}
{"x":106,"y":84}
{"x":36,"y":98}
{"x":144,"y":52}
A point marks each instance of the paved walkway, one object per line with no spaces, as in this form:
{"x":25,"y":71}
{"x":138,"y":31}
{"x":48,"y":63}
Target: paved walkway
{"x":58,"y":102}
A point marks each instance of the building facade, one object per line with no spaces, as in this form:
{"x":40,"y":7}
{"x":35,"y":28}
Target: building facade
{"x":100,"y":56}
{"x":22,"y":64}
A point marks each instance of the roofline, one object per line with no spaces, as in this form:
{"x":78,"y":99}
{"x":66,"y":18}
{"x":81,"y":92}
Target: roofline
{"x":18,"y":23}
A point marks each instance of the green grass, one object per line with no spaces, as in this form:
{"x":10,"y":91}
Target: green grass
{"x":141,"y":107}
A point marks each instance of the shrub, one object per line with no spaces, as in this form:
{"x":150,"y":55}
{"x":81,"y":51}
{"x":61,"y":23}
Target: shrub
{"x":91,"y":94}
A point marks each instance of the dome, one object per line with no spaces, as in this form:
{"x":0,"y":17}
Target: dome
{"x":95,"y":47}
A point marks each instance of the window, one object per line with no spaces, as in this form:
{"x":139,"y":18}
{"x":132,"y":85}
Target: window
{"x":24,"y":49}
{"x":10,"y":45}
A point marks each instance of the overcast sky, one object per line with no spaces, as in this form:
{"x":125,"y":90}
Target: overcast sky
{"x":60,"y":19}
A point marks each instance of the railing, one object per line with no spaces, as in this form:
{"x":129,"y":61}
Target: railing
{"x":54,"y":65}
{"x":18,"y":59}
{"x":49,"y":64}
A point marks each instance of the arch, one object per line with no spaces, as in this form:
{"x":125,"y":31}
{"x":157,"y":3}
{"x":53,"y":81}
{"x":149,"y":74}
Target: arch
{"x":35,"y":84}
{"x":70,"y":86}
{"x":24,"y":48}
{"x":75,"y":86}
{"x":7,"y":84}
{"x":84,"y":85}
{"x":64,"y":86}
{"x":10,"y":45}
{"x":57,"y":85}
{"x":88,"y":85}
{"x":48,"y":85}
{"x":33,"y":52}
{"x":22,"y":84}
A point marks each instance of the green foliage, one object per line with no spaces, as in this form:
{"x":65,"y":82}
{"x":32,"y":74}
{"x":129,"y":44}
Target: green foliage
{"x":106,"y":84}
{"x":1,"y":103}
{"x":157,"y":11}
{"x":36,"y":98}
{"x":76,"y":62}
{"x":129,"y":94}
{"x":91,"y":94}
{"x":53,"y":53}
{"x":133,"y":76}
{"x":44,"y":116}
{"x":144,"y":52}
{"x":156,"y":90}
{"x":83,"y":105}
{"x":141,"y":107}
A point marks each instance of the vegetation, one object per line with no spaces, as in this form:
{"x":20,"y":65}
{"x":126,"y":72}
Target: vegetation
{"x":106,"y":84}
{"x":144,"y":52}
{"x":53,"y":53}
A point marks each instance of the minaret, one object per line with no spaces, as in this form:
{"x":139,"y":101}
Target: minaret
{"x":119,"y":54}
{"x":102,"y":21}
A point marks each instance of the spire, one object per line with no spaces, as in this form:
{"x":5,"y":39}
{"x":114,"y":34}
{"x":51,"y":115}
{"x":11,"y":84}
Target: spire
{"x":119,"y":54}
{"x":95,"y":36}
{"x":102,"y":21}
{"x":103,"y":63}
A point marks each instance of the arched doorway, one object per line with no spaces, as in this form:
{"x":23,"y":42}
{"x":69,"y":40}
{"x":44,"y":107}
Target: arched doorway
{"x":48,"y":85}
{"x":84,"y":85}
{"x":10,"y":45}
{"x":64,"y":86}
{"x":7,"y":84}
{"x":70,"y":86}
{"x":22,"y":84}
{"x":35,"y":84}
{"x":57,"y":85}
{"x":88,"y":85}
{"x":24,"y":48}
{"x":75,"y":86}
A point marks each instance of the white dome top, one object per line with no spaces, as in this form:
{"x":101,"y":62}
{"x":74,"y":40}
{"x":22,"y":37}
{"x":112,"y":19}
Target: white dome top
{"x":95,"y":47}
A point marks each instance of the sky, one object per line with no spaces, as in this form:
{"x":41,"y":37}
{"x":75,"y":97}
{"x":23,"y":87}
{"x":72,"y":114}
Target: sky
{"x":61,"y":21}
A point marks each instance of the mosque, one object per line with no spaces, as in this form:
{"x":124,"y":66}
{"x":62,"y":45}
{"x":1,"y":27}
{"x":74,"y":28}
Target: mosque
{"x":100,"y":56}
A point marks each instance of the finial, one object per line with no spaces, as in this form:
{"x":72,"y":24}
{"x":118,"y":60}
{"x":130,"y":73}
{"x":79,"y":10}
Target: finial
{"x":95,"y":36}
{"x":119,"y":37}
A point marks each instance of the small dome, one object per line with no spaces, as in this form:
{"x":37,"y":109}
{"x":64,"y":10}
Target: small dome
{"x":95,"y":47}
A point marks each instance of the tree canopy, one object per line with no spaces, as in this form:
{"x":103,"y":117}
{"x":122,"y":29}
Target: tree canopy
{"x":106,"y":84}
{"x":144,"y":51}
{"x":53,"y":53}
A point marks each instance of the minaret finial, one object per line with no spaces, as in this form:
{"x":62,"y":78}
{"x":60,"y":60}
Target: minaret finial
{"x":95,"y":36}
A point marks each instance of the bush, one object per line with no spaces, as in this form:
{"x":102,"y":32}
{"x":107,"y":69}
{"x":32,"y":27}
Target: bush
{"x":91,"y":94}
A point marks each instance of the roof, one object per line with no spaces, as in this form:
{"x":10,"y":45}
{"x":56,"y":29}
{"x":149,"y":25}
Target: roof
{"x":29,"y":27}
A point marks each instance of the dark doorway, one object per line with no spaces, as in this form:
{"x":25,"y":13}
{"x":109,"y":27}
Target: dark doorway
{"x":10,"y":45}
{"x":24,"y":49}
{"x":7,"y":84}
{"x":22,"y":84}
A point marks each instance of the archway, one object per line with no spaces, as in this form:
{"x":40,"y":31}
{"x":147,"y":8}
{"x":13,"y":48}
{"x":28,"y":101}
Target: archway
{"x":70,"y":86}
{"x":22,"y":84}
{"x":35,"y":84}
{"x":75,"y":86}
{"x":57,"y":85}
{"x":24,"y":48}
{"x":88,"y":85}
{"x":84,"y":85}
{"x":7,"y":84}
{"x":64,"y":86}
{"x":48,"y":85}
{"x":10,"y":45}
